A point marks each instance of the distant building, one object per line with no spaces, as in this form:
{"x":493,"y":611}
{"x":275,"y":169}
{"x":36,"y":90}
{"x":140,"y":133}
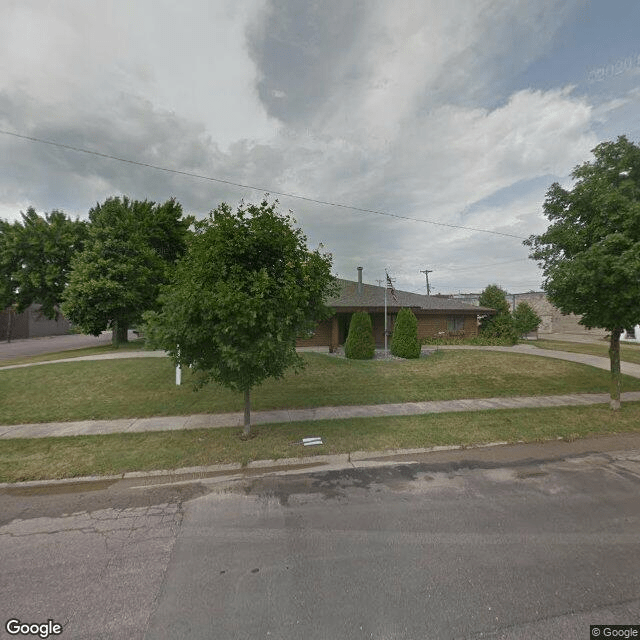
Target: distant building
{"x":32,"y":323}
{"x":552,"y":319}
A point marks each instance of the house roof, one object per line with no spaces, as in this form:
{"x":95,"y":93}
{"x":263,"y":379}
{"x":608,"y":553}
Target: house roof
{"x":372,"y":298}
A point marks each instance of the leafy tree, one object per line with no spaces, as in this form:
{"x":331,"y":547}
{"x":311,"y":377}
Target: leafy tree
{"x":360,"y":344}
{"x":9,"y":263}
{"x":129,"y":253}
{"x":590,"y":253}
{"x":244,"y":291}
{"x":46,"y":245}
{"x":499,"y":325}
{"x":525,"y":319}
{"x":35,"y":257}
{"x":404,"y":342}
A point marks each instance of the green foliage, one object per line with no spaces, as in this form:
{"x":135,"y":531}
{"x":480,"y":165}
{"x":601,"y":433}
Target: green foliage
{"x":404,"y":342}
{"x":35,"y":259}
{"x":494,"y":297}
{"x":9,"y":264}
{"x":499,"y":326}
{"x":360,"y":344}
{"x":129,"y":253}
{"x":525,"y":319}
{"x":244,"y":291}
{"x":590,"y":253}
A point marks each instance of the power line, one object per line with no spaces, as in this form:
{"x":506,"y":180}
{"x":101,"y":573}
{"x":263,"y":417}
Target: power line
{"x":247,"y":186}
{"x":483,"y":266}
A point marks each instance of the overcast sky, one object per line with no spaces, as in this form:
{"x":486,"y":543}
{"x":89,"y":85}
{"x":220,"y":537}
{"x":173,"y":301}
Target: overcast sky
{"x":460,"y":112}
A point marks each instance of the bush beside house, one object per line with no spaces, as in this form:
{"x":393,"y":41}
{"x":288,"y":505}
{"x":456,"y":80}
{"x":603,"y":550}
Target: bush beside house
{"x":501,"y":326}
{"x":525,"y":319}
{"x":360,"y":344}
{"x":405,"y":343}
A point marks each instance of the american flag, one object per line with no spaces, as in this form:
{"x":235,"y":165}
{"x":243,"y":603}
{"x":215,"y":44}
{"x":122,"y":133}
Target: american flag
{"x":390,"y":287}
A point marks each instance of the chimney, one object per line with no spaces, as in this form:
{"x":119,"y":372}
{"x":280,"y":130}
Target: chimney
{"x":360,"y":288}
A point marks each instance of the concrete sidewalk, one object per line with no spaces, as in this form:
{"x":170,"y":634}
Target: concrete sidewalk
{"x":216,"y":420}
{"x":130,"y":425}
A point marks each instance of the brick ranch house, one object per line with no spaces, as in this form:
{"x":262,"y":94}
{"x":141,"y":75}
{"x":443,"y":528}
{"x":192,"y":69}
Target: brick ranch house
{"x":436,"y":315}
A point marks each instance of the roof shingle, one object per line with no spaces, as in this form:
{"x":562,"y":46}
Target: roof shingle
{"x":372,"y":296}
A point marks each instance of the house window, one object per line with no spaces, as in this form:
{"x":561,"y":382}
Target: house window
{"x":455,"y":324}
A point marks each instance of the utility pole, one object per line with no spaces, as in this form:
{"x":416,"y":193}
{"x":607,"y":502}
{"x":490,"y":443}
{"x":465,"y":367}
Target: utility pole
{"x":426,"y":273}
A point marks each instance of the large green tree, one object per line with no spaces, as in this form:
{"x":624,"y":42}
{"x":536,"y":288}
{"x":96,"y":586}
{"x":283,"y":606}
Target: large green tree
{"x":590,"y":253}
{"x":35,"y":260}
{"x":9,"y":263}
{"x":130,"y":251}
{"x":46,"y":246}
{"x":245,"y":290}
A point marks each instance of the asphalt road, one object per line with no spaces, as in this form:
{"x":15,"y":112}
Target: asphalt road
{"x":51,"y":344}
{"x":452,"y":547}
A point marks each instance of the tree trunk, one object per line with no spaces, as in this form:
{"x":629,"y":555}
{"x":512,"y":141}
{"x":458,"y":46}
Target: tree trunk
{"x":10,"y":324}
{"x":119,"y":333}
{"x":247,"y":413}
{"x":614,"y":357}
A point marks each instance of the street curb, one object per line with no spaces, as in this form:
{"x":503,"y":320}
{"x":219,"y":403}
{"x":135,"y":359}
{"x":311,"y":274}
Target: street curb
{"x":353,"y":460}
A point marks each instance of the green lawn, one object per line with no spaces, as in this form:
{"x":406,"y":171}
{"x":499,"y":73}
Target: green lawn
{"x":41,"y":458}
{"x":629,"y":352}
{"x":142,"y":387}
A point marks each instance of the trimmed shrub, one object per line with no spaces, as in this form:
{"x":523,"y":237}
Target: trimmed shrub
{"x":493,"y":297}
{"x":404,"y":342}
{"x":360,"y":344}
{"x":525,"y":319}
{"x":501,"y":327}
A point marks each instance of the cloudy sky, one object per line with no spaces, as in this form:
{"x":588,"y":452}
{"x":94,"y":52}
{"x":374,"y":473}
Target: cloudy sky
{"x":455,"y":112}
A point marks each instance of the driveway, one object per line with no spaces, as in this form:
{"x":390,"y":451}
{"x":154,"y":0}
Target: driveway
{"x":51,"y":344}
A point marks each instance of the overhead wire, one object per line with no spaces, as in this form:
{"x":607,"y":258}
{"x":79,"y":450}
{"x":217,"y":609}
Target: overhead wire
{"x":253,"y":188}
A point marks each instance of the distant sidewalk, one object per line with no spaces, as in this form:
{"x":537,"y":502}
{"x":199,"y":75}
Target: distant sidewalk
{"x":217,"y":420}
{"x":628,"y":368}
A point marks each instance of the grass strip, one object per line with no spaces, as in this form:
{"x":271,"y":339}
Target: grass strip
{"x":144,"y":387}
{"x":628,"y":352}
{"x":69,"y":457}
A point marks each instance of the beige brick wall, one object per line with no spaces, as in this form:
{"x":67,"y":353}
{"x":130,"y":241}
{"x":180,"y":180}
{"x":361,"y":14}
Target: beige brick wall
{"x":553,"y":321}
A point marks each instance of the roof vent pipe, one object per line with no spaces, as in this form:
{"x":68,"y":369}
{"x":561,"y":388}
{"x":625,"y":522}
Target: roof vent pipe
{"x":359,"y":281}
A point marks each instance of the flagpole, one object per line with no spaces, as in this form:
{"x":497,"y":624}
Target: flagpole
{"x":385,"y":318}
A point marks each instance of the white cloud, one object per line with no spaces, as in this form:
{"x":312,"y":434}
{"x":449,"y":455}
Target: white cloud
{"x":188,"y":58}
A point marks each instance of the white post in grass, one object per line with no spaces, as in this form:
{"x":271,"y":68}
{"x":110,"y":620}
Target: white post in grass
{"x":385,"y":317}
{"x":178,"y":372}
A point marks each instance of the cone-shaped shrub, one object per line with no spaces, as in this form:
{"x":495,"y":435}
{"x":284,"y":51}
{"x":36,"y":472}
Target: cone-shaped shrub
{"x":404,"y":342}
{"x":360,"y":344}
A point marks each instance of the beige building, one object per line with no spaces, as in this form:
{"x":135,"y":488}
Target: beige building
{"x":553,"y":320}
